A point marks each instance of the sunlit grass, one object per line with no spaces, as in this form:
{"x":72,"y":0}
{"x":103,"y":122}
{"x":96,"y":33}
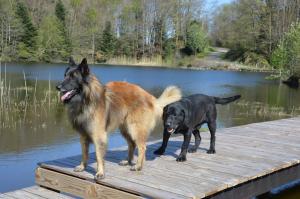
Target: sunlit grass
{"x":144,"y":61}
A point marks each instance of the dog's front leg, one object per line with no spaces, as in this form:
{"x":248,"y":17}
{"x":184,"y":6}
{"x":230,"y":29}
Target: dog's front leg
{"x":84,"y":141}
{"x":162,"y":148}
{"x":212,"y":129}
{"x":100,"y":142}
{"x":185,"y":145}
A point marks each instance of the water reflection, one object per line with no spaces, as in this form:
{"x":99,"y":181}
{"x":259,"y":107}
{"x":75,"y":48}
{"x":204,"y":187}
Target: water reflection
{"x":34,"y":126}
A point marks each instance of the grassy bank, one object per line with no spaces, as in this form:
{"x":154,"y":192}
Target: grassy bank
{"x":192,"y":62}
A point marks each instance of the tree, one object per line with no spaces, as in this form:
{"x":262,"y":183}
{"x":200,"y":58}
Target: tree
{"x":141,"y":28}
{"x":287,"y":54}
{"x":91,"y":16}
{"x":196,"y":39}
{"x":27,"y":45}
{"x":51,"y":42}
{"x":108,"y":41}
{"x":60,"y":11}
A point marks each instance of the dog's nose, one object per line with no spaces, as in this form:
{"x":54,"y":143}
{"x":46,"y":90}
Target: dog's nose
{"x":58,"y":86}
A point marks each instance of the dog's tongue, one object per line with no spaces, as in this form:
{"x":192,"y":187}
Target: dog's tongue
{"x":170,"y":130}
{"x":66,"y":96}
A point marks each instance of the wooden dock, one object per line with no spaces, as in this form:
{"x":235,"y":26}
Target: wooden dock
{"x":33,"y":192}
{"x":250,"y":160}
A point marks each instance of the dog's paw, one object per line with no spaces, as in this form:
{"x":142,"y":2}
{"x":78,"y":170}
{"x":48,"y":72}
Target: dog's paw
{"x":192,"y":150}
{"x":99,"y":176}
{"x":181,"y":158}
{"x":125,"y":163}
{"x":135,"y":168}
{"x":159,"y":151}
{"x":79,"y":168}
{"x":211,"y":151}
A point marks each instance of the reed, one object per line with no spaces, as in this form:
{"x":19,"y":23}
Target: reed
{"x":144,"y":61}
{"x":17,"y":102}
{"x":265,"y":110}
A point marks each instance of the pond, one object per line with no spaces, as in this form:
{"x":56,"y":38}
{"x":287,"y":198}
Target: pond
{"x":34,"y":126}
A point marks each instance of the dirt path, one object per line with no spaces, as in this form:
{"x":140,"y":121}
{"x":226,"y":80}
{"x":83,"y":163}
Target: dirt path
{"x":214,"y":61}
{"x":216,"y":55}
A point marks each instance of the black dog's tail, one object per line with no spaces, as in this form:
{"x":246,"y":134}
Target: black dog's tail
{"x":226,"y":100}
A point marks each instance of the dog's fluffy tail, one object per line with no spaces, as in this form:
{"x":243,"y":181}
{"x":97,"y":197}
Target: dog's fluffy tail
{"x":171,"y":94}
{"x":226,"y":100}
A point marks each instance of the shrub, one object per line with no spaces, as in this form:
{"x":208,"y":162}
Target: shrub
{"x":287,"y":54}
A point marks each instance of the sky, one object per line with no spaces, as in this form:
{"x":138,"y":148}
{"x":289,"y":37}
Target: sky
{"x":210,"y":3}
{"x":224,"y":1}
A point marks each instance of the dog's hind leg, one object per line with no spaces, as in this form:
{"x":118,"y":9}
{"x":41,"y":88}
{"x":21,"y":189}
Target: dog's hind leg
{"x":141,"y":157}
{"x":197,"y":136}
{"x":84,"y":141}
{"x":140,"y":140}
{"x":212,"y":128}
{"x":131,"y":148}
{"x":100,"y":142}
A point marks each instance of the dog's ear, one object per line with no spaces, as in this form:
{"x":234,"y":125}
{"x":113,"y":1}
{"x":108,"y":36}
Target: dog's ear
{"x":84,"y":68}
{"x":72,"y":62}
{"x":182,"y":113}
{"x":164,"y":113}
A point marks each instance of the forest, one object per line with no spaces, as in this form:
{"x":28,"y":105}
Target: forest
{"x":52,"y":30}
{"x":260,"y":33}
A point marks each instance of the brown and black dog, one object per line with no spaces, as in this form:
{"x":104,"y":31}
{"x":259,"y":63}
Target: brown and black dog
{"x":95,"y":109}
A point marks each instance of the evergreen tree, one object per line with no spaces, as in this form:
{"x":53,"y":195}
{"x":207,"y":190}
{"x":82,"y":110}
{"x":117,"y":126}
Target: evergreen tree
{"x":27,"y":45}
{"x":108,"y":41}
{"x":60,"y":13}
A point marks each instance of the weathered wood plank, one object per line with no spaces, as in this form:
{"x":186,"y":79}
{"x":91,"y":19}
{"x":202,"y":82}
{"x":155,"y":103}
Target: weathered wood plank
{"x":21,"y":194}
{"x":152,"y":181}
{"x":247,"y":156}
{"x":4,"y":196}
{"x":260,"y":185}
{"x":76,"y":186}
{"x":45,"y":193}
{"x":124,"y":183}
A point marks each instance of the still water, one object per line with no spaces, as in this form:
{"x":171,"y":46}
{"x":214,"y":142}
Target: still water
{"x":34,"y":126}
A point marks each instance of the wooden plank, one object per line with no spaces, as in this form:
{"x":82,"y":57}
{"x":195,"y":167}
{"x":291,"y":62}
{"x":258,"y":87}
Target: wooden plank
{"x":247,"y":156}
{"x":126,"y":184}
{"x":262,"y":185}
{"x":45,"y":193}
{"x":157,"y":181}
{"x":76,"y":186}
{"x":284,"y":140}
{"x":21,"y":194}
{"x":226,"y":149}
{"x":4,"y":196}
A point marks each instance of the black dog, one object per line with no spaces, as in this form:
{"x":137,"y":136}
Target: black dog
{"x":186,"y":117}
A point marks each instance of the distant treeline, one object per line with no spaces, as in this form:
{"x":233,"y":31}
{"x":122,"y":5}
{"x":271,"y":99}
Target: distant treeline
{"x":52,"y":30}
{"x":261,"y":33}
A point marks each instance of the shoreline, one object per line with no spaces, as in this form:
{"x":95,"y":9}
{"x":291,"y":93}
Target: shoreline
{"x":221,"y":66}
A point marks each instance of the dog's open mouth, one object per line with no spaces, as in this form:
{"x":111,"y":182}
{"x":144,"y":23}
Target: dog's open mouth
{"x":67,"y":95}
{"x":171,"y":130}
